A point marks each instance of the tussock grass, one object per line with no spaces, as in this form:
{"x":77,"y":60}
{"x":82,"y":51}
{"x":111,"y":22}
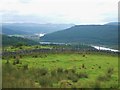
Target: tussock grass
{"x":14,"y":78}
{"x":63,"y":73}
{"x":107,"y":75}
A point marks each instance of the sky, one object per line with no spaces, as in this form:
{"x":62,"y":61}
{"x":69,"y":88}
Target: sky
{"x":59,"y":11}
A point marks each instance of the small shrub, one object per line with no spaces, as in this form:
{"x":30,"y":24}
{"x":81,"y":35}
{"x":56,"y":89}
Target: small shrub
{"x":66,"y":71}
{"x":43,"y":71}
{"x":57,"y":60}
{"x":97,"y":85}
{"x":45,"y":81}
{"x":82,"y":75}
{"x":110,"y":70}
{"x":65,"y":84}
{"x":35,"y":56}
{"x":16,"y":61}
{"x":20,"y":63}
{"x":20,"y":56}
{"x":20,"y":48}
{"x":53,"y":61}
{"x":53,"y":73}
{"x":84,"y":55}
{"x":7,"y":61}
{"x":14,"y":57}
{"x":60,"y":70}
{"x":70,"y":70}
{"x":72,"y":77}
{"x":102,"y":78}
{"x":83,"y":66}
{"x":99,"y":67}
{"x":25,"y":67}
{"x":12,"y":47}
{"x":107,"y":76}
{"x":3,"y":57}
{"x":45,"y":56}
{"x":36,"y":47}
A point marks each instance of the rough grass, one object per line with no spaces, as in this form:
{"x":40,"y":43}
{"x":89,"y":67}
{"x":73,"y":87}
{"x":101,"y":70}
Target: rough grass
{"x":63,"y":70}
{"x":13,"y":48}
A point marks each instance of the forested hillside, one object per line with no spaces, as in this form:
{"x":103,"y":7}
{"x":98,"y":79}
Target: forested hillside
{"x":6,"y":40}
{"x":90,"y":34}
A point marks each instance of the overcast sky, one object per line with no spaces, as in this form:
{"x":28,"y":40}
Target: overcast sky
{"x":59,"y":11}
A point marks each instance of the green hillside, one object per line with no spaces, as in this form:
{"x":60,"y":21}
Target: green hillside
{"x":89,"y":34}
{"x":6,"y":40}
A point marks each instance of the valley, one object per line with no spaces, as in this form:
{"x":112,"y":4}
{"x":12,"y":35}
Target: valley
{"x":84,"y":58}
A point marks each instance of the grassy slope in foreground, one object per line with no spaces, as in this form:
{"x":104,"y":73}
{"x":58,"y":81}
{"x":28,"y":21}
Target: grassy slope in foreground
{"x":50,"y":70}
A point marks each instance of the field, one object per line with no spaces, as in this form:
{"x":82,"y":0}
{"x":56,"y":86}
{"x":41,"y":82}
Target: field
{"x":61,"y":70}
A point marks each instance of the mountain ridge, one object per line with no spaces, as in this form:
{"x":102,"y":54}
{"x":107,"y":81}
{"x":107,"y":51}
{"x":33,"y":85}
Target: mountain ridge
{"x":97,"y":34}
{"x":32,"y":28}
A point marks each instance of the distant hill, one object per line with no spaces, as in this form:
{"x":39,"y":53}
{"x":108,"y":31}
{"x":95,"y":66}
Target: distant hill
{"x":113,"y":23}
{"x":89,"y":34}
{"x":8,"y":31}
{"x":6,"y":40}
{"x":31,"y":28}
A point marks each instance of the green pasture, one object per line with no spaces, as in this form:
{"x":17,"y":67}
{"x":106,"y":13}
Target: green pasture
{"x":94,"y":65}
